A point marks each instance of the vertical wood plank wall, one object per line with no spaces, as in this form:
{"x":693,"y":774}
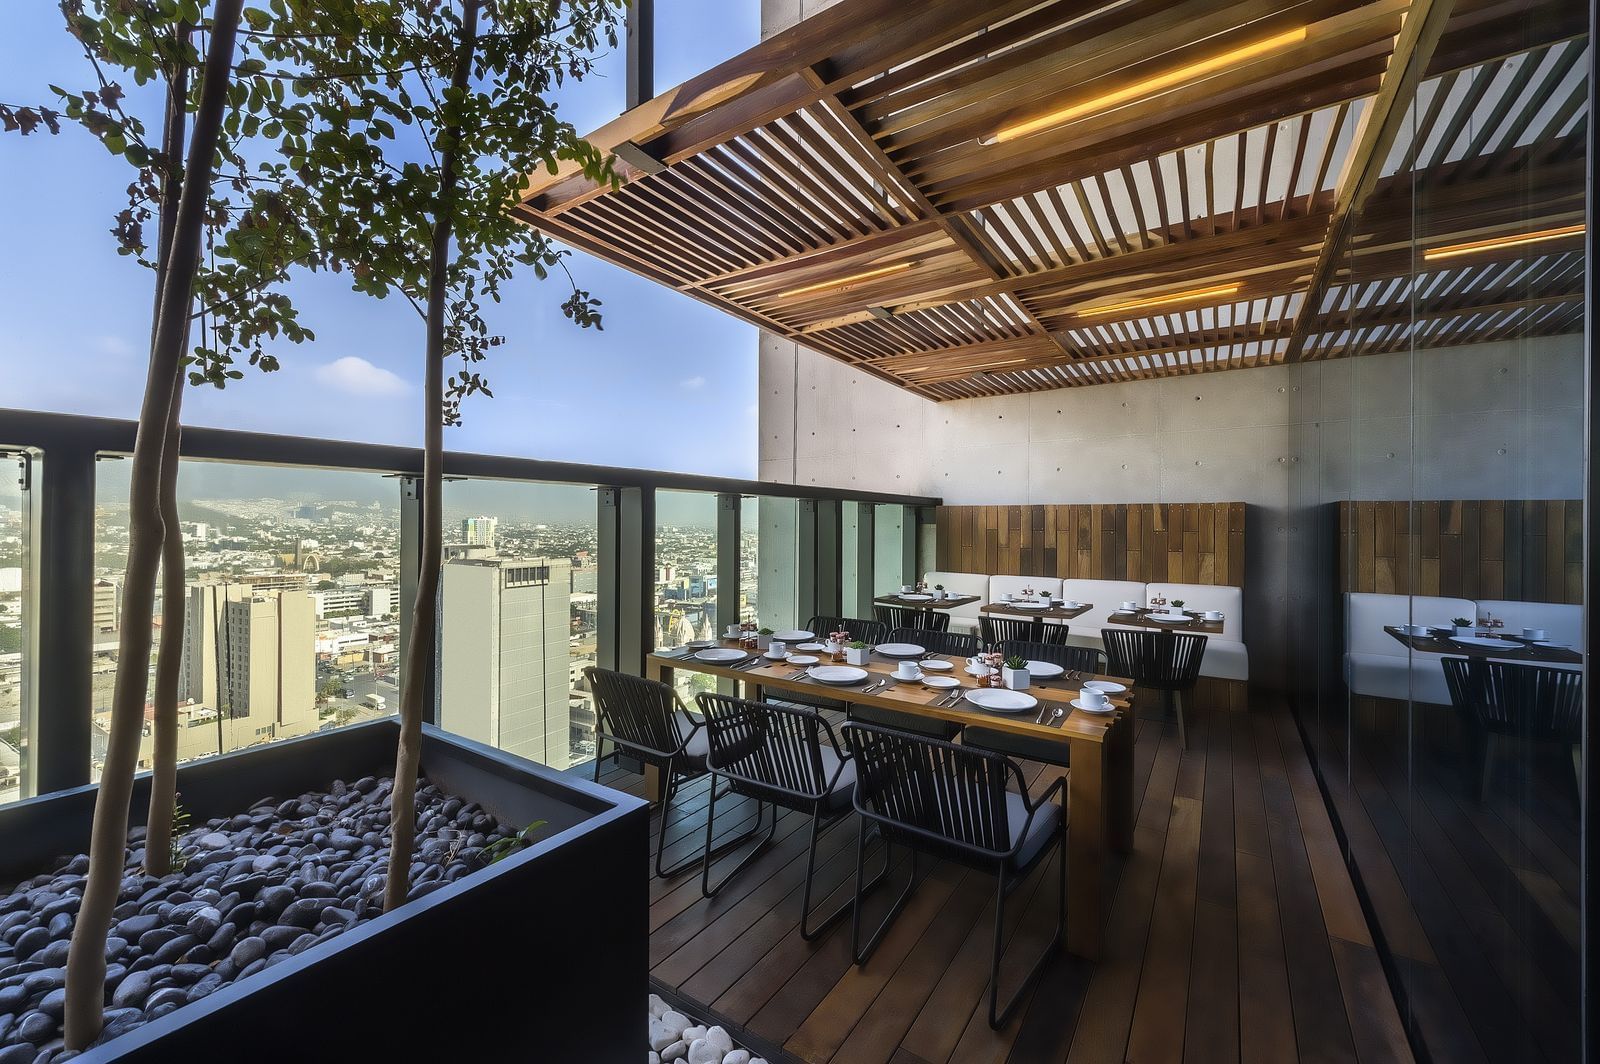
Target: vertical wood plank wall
{"x":1186,"y":543}
{"x":1513,"y":549}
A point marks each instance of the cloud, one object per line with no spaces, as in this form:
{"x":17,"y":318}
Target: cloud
{"x":692,"y":384}
{"x":359,"y":377}
{"x":113,"y":345}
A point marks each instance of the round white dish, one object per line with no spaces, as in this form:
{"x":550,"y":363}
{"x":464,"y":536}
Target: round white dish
{"x":812,"y":646}
{"x":1025,"y":605}
{"x":936,"y":665}
{"x":700,"y":644}
{"x":913,"y":678}
{"x":916,"y":598}
{"x":793,"y":635}
{"x":1000,"y":700}
{"x":1169,"y":618}
{"x":838,"y":675}
{"x":802,"y":659}
{"x":1077,"y":703}
{"x":1110,"y":687}
{"x":1044,"y":670}
{"x":1479,"y":641}
{"x":901,"y":650}
{"x":721,"y":654}
{"x":940,"y":683}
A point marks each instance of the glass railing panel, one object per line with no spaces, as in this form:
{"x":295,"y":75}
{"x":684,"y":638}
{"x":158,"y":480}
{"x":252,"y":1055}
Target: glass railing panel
{"x":15,"y":624}
{"x":686,"y":577}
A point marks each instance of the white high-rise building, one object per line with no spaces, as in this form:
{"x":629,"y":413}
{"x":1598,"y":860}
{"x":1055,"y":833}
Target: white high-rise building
{"x":479,"y":530}
{"x":505,"y":652}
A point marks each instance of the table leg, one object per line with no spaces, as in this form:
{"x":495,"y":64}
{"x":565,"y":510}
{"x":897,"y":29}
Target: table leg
{"x":1086,"y":845}
{"x":1119,"y":784}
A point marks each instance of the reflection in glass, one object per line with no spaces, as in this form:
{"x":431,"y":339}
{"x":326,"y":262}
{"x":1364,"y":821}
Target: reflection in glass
{"x":14,"y":626}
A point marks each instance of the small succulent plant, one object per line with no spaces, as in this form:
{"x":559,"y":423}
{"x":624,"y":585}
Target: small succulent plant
{"x":857,"y":644}
{"x":1016,"y":661}
{"x":765,"y":631}
{"x":1177,"y":604}
{"x":1460,"y":622}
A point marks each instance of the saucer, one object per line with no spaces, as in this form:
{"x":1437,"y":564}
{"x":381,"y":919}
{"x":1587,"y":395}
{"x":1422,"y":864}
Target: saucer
{"x":1077,"y":703}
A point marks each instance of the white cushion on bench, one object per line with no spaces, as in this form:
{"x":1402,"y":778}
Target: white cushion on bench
{"x":1230,"y":600}
{"x":1563,"y":622}
{"x":1379,"y":665}
{"x":962,"y":618}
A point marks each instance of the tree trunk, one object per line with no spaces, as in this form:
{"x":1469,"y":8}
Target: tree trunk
{"x":419,"y":654}
{"x":86,"y":961}
{"x":164,"y":777}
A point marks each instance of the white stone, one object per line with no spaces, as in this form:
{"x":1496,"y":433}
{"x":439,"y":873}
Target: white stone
{"x":655,"y":1058}
{"x":720,"y":1039}
{"x":703,"y":1052}
{"x":657,"y":1006}
{"x":676,"y":1050}
{"x":692,"y":1034}
{"x":674,"y":1022}
{"x":661,"y":1036}
{"x":738,"y":1056}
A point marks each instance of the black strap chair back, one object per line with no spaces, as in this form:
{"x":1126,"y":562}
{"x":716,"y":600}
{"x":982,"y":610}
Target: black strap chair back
{"x":636,"y":714}
{"x":1511,"y":698}
{"x":944,"y":798}
{"x":1053,"y":632}
{"x":907,"y":617}
{"x":1000,"y":629}
{"x":953,"y":644}
{"x":869,"y":632}
{"x":769,"y":751}
{"x":1073,"y":659}
{"x":1163,"y":661}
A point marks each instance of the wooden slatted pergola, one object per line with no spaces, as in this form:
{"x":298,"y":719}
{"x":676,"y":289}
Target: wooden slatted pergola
{"x":978,"y":199}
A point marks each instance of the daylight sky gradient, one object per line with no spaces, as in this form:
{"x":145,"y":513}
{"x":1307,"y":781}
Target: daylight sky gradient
{"x":669,"y":383}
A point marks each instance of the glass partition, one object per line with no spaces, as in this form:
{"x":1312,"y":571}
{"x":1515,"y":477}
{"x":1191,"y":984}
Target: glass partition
{"x":289,"y":623}
{"x":518,"y":613}
{"x":1437,"y":549}
{"x":15,"y":623}
{"x":888,"y":549}
{"x":778,"y":529}
{"x":686,"y":577}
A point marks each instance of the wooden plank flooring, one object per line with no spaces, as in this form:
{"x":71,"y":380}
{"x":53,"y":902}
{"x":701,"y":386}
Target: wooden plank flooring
{"x":1232,"y":934}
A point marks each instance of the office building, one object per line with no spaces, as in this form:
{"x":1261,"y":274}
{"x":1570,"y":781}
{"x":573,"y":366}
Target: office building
{"x":479,"y":530}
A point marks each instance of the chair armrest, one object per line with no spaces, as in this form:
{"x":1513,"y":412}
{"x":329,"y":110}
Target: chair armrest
{"x":1055,"y":788}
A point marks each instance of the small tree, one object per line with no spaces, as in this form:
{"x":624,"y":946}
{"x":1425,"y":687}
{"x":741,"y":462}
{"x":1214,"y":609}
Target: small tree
{"x":417,"y":126}
{"x":250,"y":224}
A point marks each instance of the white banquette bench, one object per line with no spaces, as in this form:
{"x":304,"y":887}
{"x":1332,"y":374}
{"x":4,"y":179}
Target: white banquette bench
{"x":1378,"y":665}
{"x":1226,"y":657}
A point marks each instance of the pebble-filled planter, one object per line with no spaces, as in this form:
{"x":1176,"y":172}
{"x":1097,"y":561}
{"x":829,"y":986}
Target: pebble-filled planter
{"x":675,"y":1036}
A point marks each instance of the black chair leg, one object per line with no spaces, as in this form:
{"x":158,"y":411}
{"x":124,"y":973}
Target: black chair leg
{"x":809,"y":933}
{"x":998,"y":1017}
{"x":858,"y":952}
{"x":708,"y":858}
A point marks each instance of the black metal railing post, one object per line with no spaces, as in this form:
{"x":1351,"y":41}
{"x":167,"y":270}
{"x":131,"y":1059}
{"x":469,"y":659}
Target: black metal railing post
{"x":62,"y":591}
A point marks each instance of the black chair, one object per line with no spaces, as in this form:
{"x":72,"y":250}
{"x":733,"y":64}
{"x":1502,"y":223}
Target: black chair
{"x":951,"y":644}
{"x":907,"y":617}
{"x":777,"y":755}
{"x":644,"y":719}
{"x":869,"y":632}
{"x":1535,"y":703}
{"x":1053,"y":633}
{"x":952,"y":802}
{"x":994,"y":630}
{"x":1168,"y":662}
{"x":1072,"y":659}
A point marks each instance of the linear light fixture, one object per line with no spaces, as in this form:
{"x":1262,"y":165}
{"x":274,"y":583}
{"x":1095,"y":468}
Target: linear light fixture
{"x":963,"y":370}
{"x":1496,"y":243}
{"x":1148,"y":86}
{"x":845,"y":282}
{"x":1162,"y":301}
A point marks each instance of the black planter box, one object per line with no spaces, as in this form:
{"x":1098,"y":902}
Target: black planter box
{"x":541,"y":956}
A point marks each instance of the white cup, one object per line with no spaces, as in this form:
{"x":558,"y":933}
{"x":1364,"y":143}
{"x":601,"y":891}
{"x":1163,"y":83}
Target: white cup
{"x":1535,"y":633}
{"x":1213,"y":615}
{"x":1130,"y":605}
{"x":978,"y":667}
{"x":732,"y":632}
{"x":1006,"y":597}
{"x":1094,"y":698}
{"x":906,"y":670}
{"x":905,"y":589}
{"x":776,"y":649}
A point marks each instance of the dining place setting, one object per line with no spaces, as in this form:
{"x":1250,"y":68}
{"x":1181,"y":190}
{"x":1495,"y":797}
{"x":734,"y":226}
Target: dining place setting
{"x":1483,"y":639}
{"x":1163,"y":615}
{"x":1040,"y":604}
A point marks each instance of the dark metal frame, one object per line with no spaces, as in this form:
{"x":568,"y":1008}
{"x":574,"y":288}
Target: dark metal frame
{"x":773,"y":754}
{"x":62,"y":450}
{"x":968,"y":811}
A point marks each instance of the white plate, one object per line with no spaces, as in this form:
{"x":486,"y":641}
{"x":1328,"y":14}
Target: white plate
{"x":915,"y":598}
{"x":700,"y":644}
{"x":722,"y":654}
{"x":901,"y":650}
{"x":841,"y":675}
{"x":801,"y":659}
{"x":793,"y":635}
{"x":770,"y":656}
{"x":1077,"y":703}
{"x":970,"y":671}
{"x":1169,"y":618}
{"x":943,"y":683}
{"x":1110,"y":687}
{"x":1030,"y":605}
{"x":1478,"y":641}
{"x":935,"y":665}
{"x":1000,"y":700}
{"x":812,"y":646}
{"x":1044,"y":670}
{"x":1074,"y":604}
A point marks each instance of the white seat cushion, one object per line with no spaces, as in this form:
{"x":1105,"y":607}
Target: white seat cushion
{"x":1226,"y":659}
{"x":1388,"y":676}
{"x":1230,"y":600}
{"x":962,"y":618}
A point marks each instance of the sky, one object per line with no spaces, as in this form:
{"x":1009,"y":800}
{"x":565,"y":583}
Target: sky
{"x":668,"y":384}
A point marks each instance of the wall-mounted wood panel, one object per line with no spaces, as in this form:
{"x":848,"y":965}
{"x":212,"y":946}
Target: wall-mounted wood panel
{"x":1526,"y":550}
{"x":1185,"y":543}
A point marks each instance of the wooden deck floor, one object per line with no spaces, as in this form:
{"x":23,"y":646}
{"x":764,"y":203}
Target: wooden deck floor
{"x":1233,"y":932}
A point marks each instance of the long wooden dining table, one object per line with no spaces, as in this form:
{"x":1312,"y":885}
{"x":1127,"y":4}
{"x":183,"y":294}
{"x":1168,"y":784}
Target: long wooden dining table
{"x":1099,"y":794}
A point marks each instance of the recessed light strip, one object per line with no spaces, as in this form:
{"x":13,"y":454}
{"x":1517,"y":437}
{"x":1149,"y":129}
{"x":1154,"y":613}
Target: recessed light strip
{"x":1161,"y":301}
{"x":1149,"y":86}
{"x":842,"y":282}
{"x":1496,"y":243}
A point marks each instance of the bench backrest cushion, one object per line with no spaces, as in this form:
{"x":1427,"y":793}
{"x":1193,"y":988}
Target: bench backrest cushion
{"x":1000,"y":586}
{"x":1107,"y":596}
{"x":962,"y":584}
{"x":1563,"y":622}
{"x":1230,"y":600}
{"x":1367,"y":613}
